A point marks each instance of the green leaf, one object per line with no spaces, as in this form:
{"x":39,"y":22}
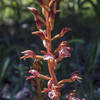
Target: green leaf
{"x":4,"y":68}
{"x":76,"y":40}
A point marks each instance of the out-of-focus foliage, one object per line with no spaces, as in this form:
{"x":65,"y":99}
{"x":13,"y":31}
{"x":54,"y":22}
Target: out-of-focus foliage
{"x":16,"y":25}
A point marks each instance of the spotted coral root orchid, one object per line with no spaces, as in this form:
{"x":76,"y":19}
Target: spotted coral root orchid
{"x":49,"y":12}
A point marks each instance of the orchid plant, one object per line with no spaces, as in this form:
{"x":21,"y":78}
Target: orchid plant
{"x":49,"y":12}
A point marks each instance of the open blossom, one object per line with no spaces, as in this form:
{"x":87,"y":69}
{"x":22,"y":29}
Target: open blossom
{"x":64,"y":50}
{"x":28,"y":54}
{"x":48,"y":57}
{"x":63,"y":53}
{"x":52,"y":90}
{"x":51,"y":94}
{"x":34,"y":73}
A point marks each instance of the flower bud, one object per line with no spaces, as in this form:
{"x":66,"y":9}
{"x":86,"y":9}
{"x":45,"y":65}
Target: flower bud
{"x":39,"y":33}
{"x":34,"y":10}
{"x":28,"y":54}
{"x":34,"y":73}
{"x":75,"y":76}
{"x":64,"y":30}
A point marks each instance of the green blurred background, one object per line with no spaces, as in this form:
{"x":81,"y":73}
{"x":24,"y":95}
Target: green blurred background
{"x":16,"y":25}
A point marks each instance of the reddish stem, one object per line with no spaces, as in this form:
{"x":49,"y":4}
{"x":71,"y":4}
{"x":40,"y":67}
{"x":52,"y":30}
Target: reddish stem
{"x":49,"y":51}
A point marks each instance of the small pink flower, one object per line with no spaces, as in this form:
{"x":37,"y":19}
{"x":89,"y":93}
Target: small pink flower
{"x":34,"y":73}
{"x":64,"y":44}
{"x":75,"y":76}
{"x":51,"y":94}
{"x":64,"y":52}
{"x":64,"y":30}
{"x":28,"y":54}
{"x":48,"y":57}
{"x":34,"y":10}
{"x":51,"y":90}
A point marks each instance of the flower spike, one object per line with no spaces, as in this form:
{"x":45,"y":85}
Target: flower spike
{"x":49,"y":12}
